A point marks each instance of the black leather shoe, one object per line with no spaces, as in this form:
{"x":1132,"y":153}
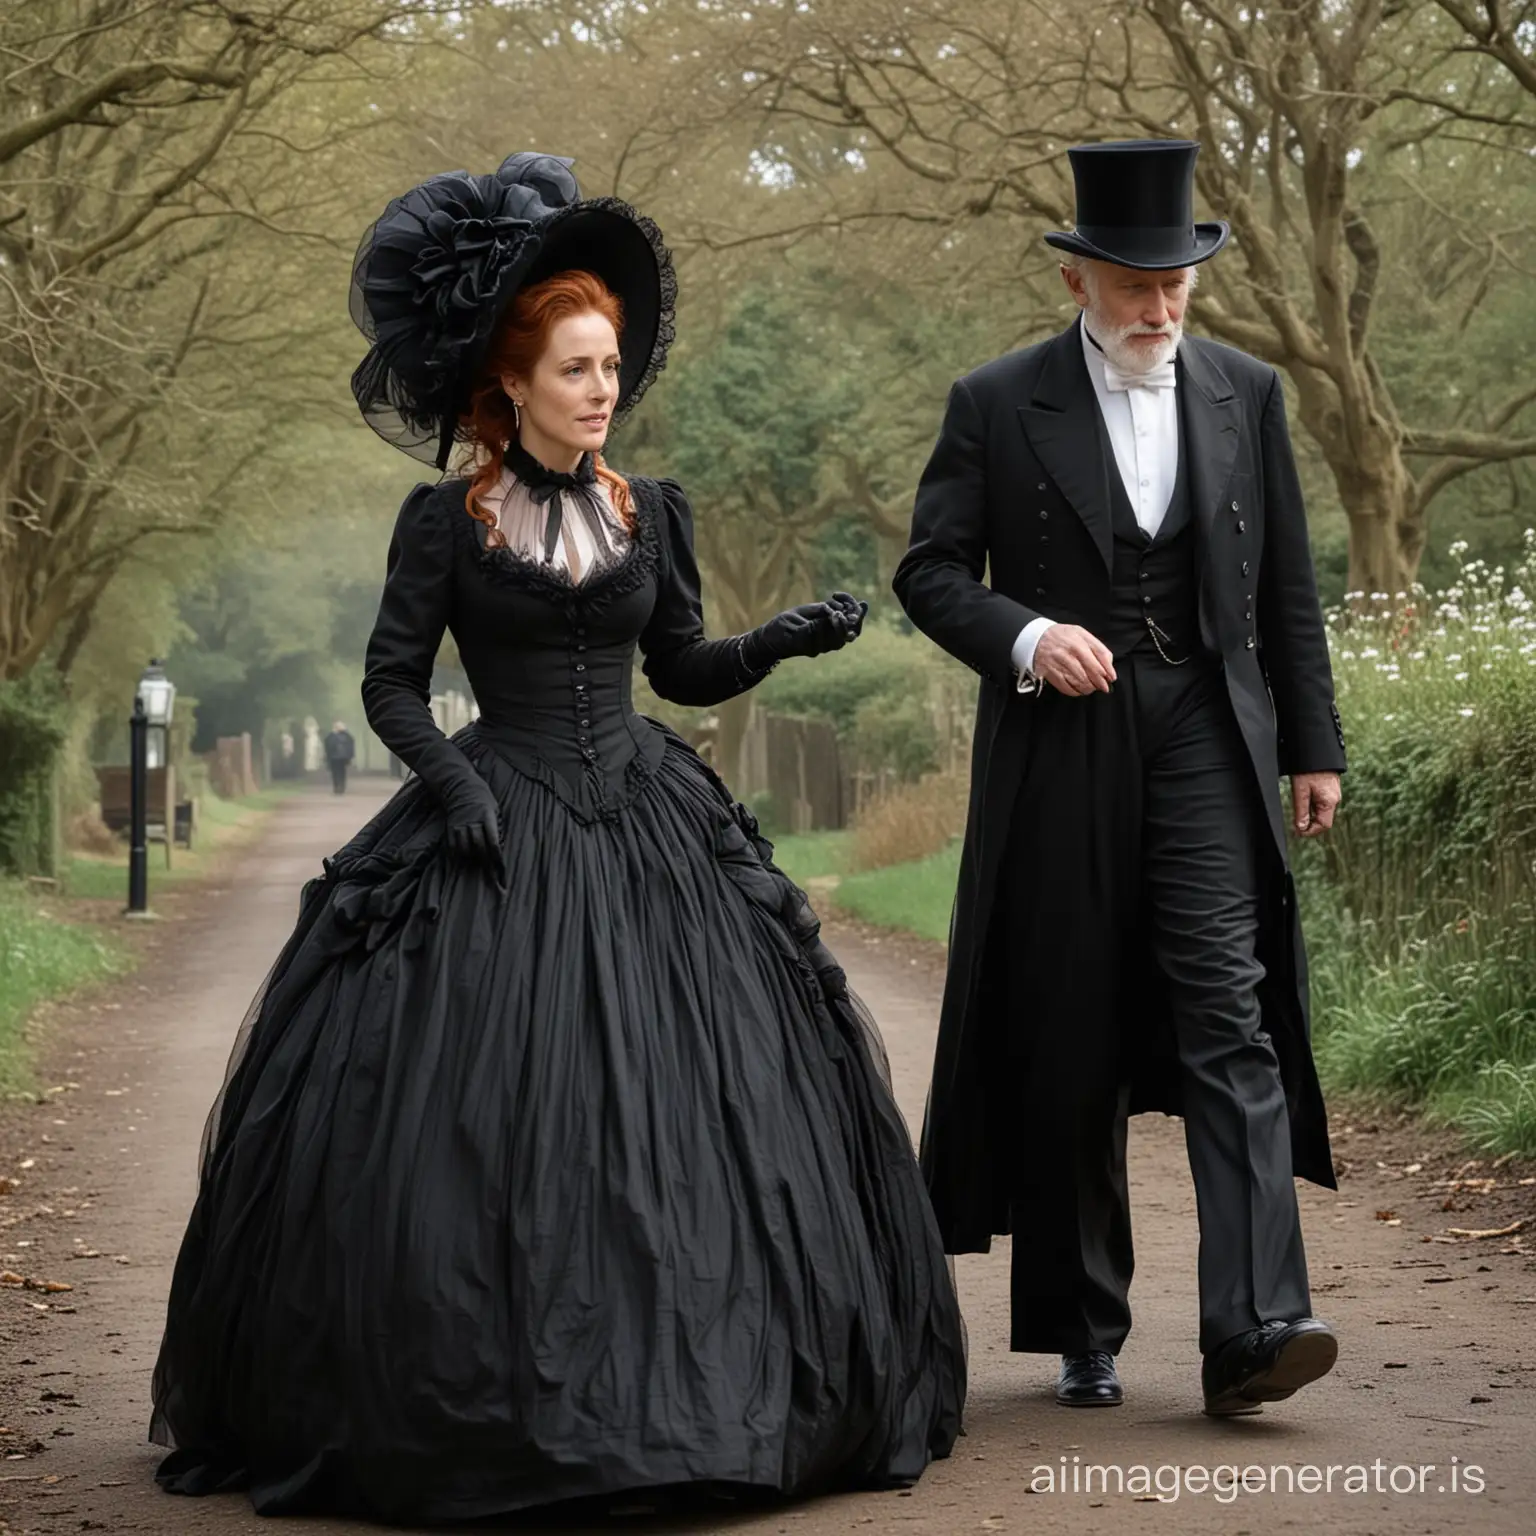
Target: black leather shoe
{"x":1266,"y":1364}
{"x":1089,"y":1381}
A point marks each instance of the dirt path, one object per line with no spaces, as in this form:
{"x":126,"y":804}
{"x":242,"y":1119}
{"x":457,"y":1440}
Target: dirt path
{"x":1437,"y":1360}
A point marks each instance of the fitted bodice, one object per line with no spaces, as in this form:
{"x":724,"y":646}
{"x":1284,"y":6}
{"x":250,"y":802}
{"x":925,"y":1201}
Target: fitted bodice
{"x":549,"y":658}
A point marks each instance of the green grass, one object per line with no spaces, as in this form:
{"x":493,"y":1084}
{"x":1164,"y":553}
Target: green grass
{"x":811,"y":855}
{"x":915,"y":897}
{"x":42,"y":955}
{"x":219,"y":822}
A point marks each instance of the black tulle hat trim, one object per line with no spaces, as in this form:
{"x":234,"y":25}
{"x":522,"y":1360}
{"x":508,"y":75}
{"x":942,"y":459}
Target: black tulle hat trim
{"x":434,"y":273}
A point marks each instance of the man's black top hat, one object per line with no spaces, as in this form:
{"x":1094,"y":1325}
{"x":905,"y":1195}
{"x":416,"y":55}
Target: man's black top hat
{"x":436,"y":271}
{"x":1136,"y":207}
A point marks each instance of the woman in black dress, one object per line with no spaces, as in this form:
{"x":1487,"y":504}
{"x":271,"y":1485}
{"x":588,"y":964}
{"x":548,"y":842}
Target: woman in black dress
{"x":555,"y":1158}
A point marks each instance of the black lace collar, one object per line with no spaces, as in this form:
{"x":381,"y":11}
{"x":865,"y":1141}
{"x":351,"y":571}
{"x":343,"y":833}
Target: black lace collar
{"x":539,"y":477}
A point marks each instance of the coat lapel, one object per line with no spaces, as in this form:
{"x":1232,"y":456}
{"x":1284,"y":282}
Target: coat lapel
{"x":1212,"y":430}
{"x":1061,"y":422}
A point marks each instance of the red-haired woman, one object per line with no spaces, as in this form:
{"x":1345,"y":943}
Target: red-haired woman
{"x":556,"y":1159}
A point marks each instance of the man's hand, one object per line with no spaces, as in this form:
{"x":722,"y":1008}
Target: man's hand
{"x":1314,"y":799}
{"x":1071,"y":660}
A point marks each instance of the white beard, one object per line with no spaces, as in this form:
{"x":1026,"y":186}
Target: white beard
{"x":1129,"y":356}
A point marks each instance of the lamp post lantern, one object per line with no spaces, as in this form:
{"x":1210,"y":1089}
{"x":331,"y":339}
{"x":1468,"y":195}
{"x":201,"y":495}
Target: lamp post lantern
{"x":153,"y":704}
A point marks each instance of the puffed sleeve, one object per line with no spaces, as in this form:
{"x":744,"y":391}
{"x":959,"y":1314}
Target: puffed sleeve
{"x":680,"y":664}
{"x":414,"y":610}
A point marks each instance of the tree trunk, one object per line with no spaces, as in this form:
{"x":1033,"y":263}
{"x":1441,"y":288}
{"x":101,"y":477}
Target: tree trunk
{"x":1380,"y":560}
{"x":1364,"y":452}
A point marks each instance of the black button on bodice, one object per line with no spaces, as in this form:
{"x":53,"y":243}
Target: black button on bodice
{"x":1146,"y":602}
{"x":1043,"y":514}
{"x":1249,"y":642}
{"x":580,"y":667}
{"x":1245,"y":567}
{"x":1242,"y":527}
{"x":1039,"y":591}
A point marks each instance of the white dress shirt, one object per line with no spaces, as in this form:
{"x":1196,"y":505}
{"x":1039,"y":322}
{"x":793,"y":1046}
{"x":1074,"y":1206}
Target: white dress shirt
{"x":1143,"y":426}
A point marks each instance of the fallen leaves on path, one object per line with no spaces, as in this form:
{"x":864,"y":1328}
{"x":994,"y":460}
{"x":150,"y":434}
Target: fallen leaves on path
{"x":1509,"y":1231}
{"x":10,"y":1277}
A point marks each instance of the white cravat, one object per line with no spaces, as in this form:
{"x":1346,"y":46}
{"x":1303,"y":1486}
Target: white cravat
{"x":1141,"y":415}
{"x":1164,"y":376}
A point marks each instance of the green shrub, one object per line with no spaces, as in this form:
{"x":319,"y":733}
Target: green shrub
{"x":33,"y":725}
{"x":895,"y":699}
{"x":1419,"y":906}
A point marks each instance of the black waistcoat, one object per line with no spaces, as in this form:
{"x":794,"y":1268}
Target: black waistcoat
{"x":1157,"y":577}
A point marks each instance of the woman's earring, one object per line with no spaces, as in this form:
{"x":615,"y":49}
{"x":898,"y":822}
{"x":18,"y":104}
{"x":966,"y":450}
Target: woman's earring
{"x":517,"y":418}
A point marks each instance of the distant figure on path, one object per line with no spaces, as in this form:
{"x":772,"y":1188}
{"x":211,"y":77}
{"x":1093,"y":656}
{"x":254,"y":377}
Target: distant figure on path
{"x":558,"y":1159}
{"x":1125,"y":932}
{"x":340,"y":749}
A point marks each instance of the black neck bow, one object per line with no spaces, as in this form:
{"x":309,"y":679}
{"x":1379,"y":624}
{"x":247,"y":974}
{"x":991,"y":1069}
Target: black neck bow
{"x":548,"y":488}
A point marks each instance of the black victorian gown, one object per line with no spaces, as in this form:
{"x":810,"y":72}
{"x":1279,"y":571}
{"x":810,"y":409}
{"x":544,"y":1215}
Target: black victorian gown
{"x":585,"y":1184}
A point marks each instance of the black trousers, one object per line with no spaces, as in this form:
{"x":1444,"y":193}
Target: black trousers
{"x":1139,"y":823}
{"x":339,"y":775}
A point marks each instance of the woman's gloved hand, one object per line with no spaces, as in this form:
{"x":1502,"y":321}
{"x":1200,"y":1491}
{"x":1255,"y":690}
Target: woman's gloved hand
{"x":474,"y":829}
{"x":809,"y":630}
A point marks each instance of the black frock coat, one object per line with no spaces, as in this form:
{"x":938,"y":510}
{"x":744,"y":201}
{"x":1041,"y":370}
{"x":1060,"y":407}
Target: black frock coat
{"x":1018,"y":482}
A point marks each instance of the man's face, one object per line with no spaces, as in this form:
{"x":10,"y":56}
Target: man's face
{"x":1137,"y":316}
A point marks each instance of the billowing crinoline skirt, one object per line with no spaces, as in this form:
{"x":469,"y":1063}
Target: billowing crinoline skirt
{"x":590,"y":1185}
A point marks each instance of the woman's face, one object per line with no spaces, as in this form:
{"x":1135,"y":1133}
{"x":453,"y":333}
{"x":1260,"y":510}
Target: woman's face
{"x":567,"y":402}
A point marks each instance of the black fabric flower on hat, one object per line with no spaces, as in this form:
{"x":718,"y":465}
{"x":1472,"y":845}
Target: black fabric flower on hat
{"x":433,"y":275}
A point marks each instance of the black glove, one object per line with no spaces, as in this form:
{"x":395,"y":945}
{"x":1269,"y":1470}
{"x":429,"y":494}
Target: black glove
{"x":809,"y":630}
{"x":474,"y":829}
{"x":474,"y":832}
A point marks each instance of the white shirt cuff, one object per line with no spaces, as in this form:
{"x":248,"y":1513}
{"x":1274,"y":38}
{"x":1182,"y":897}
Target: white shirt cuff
{"x":1024,"y":649}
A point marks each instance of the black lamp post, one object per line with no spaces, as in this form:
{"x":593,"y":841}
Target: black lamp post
{"x":153,"y":704}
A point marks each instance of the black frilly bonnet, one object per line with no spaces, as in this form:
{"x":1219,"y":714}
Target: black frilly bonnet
{"x":434,"y":273}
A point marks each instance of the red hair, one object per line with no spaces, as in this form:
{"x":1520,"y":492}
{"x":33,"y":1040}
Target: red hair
{"x":516,"y":347}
